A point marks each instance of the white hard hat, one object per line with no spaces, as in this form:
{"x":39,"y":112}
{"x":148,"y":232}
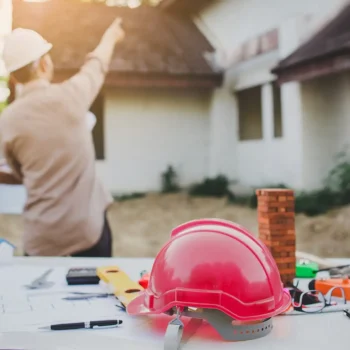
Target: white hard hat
{"x":23,"y":46}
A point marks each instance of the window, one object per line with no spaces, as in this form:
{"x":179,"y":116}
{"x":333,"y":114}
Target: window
{"x":250,"y":114}
{"x":277,"y":110}
{"x":97,"y":108}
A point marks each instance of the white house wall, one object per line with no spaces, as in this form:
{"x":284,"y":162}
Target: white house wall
{"x":326,"y":125}
{"x":147,"y":130}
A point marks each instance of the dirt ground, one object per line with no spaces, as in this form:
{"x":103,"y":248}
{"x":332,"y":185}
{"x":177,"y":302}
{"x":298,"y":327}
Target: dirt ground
{"x":141,"y":226}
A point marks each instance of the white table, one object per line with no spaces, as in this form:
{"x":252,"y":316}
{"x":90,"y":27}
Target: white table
{"x":323,"y":331}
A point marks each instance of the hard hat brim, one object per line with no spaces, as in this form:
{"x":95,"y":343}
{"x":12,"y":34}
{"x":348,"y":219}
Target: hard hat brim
{"x":137,"y":307}
{"x":46,"y":48}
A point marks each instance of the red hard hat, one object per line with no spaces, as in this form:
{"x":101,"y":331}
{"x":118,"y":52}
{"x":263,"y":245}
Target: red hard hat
{"x":214,"y":264}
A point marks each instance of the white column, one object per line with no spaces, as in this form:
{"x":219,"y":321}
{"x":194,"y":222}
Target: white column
{"x":292,"y":108}
{"x":267,"y":112}
{"x":223,"y":134}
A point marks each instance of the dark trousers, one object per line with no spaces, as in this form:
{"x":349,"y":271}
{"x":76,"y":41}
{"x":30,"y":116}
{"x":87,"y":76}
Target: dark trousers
{"x":102,"y":249}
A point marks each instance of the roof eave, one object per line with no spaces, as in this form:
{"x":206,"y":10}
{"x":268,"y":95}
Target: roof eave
{"x":153,"y":80}
{"x":312,"y":69}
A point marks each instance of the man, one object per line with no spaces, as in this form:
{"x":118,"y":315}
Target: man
{"x":49,"y":148}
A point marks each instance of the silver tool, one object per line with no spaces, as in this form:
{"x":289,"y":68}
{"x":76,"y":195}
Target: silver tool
{"x":41,"y":281}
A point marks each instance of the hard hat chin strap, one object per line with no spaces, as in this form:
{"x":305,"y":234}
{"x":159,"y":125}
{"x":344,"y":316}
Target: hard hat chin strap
{"x":217,"y":319}
{"x":174,"y":334}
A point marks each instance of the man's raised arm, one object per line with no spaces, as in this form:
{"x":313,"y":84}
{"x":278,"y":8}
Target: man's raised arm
{"x":84,"y":86}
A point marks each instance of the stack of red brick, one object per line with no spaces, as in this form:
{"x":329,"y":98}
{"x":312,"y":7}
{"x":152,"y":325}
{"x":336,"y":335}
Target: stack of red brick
{"x":276,"y":216}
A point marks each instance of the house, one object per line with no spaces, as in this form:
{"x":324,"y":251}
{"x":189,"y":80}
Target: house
{"x":155,"y":107}
{"x":205,"y":86}
{"x":288,"y":132}
{"x":321,"y":68}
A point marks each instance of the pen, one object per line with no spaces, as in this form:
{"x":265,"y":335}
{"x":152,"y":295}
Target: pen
{"x":88,"y":296}
{"x":83,"y":325}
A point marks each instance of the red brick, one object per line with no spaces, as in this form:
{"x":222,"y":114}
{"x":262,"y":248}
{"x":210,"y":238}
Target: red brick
{"x":277,"y":219}
{"x":283,"y":242}
{"x":274,"y":199}
{"x":267,"y":199}
{"x":283,"y":249}
{"x":264,"y":236}
{"x":288,"y":271}
{"x":287,"y":278}
{"x":270,"y":243}
{"x":277,"y":233}
{"x":271,"y":227}
{"x":275,"y":215}
{"x":286,"y":267}
{"x":285,"y":260}
{"x":277,"y":204}
{"x":283,"y":239}
{"x":272,"y":222}
{"x":266,"y":209}
{"x":290,"y":241}
{"x":274,"y":192}
{"x":282,"y":254}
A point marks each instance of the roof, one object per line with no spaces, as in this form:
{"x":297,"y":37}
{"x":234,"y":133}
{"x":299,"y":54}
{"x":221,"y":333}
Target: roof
{"x":326,"y":52}
{"x":158,"y":45}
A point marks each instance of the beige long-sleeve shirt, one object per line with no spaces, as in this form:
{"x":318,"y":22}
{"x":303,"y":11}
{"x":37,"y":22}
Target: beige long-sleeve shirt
{"x":48,"y":146}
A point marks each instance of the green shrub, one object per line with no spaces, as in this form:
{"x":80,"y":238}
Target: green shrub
{"x":169,"y":181}
{"x":338,"y":180}
{"x":211,"y":187}
{"x":310,"y":203}
{"x":315,"y":202}
{"x":335,"y":193}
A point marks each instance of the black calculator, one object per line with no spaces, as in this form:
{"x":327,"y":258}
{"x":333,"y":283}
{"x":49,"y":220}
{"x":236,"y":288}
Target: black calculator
{"x":82,"y":275}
